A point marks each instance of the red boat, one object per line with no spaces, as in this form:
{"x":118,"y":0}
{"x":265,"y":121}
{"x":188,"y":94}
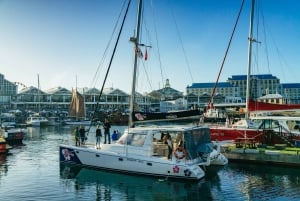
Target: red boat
{"x":265,"y":130}
{"x":13,"y":136}
{"x":3,"y":148}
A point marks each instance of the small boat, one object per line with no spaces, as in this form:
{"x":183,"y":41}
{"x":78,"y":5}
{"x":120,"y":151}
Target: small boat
{"x":213,"y":115}
{"x":37,"y":121}
{"x":77,"y":114}
{"x":13,"y":136}
{"x":3,"y":146}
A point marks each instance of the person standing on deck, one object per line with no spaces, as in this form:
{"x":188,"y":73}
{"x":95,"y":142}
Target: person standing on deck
{"x":98,"y":136}
{"x":106,"y":127}
{"x":168,"y":141}
{"x":77,"y":137}
{"x":82,"y":134}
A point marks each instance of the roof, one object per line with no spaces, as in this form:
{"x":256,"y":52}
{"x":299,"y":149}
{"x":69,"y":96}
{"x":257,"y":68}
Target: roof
{"x":290,"y":85}
{"x":271,"y":96}
{"x":258,"y":76}
{"x":58,"y":90}
{"x":211,"y":85}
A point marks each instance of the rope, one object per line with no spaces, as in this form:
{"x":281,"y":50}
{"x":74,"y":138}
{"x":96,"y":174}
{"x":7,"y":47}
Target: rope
{"x":216,"y":83}
{"x":109,"y":66}
{"x":95,"y":78}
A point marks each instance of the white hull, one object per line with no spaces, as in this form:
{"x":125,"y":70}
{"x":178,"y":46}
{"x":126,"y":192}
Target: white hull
{"x":134,"y":164}
{"x":140,"y":151}
{"x":37,"y":121}
{"x":217,"y":158}
{"x":84,"y":123}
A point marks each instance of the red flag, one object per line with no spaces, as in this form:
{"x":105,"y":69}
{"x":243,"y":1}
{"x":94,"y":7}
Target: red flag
{"x":146,"y":55}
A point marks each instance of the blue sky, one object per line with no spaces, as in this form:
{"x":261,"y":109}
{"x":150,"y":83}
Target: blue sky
{"x":62,"y":40}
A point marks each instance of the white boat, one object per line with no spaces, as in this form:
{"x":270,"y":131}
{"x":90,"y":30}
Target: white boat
{"x":141,"y":150}
{"x":214,"y":115}
{"x":216,"y":157}
{"x":37,"y":121}
{"x":73,"y":121}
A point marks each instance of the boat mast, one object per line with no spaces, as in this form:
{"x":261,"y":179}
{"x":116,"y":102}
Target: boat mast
{"x":250,"y":40}
{"x":39,"y":96}
{"x":135,"y":40}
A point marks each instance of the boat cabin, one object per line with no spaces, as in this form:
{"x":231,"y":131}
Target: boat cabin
{"x":194,"y":142}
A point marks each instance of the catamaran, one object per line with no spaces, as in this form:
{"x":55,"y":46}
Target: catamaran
{"x":141,"y":150}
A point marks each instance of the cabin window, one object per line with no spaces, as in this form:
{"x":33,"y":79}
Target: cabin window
{"x":136,"y":139}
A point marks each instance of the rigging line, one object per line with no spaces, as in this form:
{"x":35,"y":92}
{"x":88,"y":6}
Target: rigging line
{"x":265,"y":39}
{"x":156,"y":40}
{"x":95,"y":78}
{"x":148,"y":47}
{"x":181,"y":44}
{"x":147,"y":75}
{"x":110,"y":62}
{"x":233,"y":31}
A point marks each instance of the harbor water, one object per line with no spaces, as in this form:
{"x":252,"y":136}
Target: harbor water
{"x":33,"y":172}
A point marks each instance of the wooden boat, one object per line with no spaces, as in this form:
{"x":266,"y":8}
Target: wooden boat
{"x":77,"y":114}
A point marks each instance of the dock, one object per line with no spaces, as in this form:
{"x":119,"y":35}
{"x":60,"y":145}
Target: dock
{"x":284,"y":156}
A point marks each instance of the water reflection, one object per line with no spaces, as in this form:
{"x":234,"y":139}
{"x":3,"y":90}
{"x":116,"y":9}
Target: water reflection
{"x":108,"y":185}
{"x":3,"y":165}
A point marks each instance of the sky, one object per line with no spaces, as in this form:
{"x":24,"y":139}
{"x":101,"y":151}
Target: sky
{"x":69,"y":43}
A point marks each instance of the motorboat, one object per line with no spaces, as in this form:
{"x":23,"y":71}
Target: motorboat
{"x":13,"y":136}
{"x":37,"y":121}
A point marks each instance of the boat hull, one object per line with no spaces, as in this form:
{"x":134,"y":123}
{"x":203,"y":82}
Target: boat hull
{"x":3,"y":148}
{"x":226,"y":134}
{"x":135,"y":164}
{"x":139,"y":117}
{"x":14,"y":136}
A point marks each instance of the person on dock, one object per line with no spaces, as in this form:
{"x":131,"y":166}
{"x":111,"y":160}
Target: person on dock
{"x":106,"y":127}
{"x":77,"y":137}
{"x":98,"y":136}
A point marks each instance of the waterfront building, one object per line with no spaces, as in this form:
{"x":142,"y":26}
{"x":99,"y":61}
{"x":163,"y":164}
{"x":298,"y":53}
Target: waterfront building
{"x":203,"y":91}
{"x":291,"y":91}
{"x":260,"y":85}
{"x":197,"y":95}
{"x":8,"y":92}
{"x":273,"y":98}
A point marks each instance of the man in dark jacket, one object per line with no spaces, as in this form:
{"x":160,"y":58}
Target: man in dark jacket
{"x":106,"y":127}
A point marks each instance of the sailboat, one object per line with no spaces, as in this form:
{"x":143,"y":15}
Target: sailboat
{"x":77,"y":114}
{"x":247,"y":130}
{"x":141,"y":150}
{"x":37,"y":119}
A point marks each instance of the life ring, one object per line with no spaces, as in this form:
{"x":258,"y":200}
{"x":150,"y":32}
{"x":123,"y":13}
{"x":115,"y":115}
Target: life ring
{"x":180,"y":149}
